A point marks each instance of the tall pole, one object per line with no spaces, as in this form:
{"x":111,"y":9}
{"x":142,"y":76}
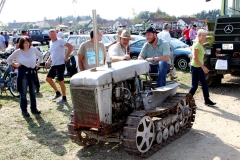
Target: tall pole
{"x":73,"y":2}
{"x":95,"y":35}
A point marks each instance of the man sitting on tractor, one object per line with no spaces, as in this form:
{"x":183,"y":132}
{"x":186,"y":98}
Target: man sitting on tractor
{"x":121,"y":50}
{"x":157,"y":53}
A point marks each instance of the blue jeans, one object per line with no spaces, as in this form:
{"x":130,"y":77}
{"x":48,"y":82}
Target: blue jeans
{"x":162,"y":69}
{"x":23,"y":97}
{"x":199,"y":75}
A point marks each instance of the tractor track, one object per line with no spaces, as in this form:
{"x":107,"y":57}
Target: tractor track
{"x":132,"y":124}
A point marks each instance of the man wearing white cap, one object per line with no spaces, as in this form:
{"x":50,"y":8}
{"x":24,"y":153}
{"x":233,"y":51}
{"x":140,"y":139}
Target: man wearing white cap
{"x":120,"y":51}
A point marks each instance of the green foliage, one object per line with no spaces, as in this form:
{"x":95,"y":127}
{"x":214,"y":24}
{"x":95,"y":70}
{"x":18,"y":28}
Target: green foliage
{"x":24,"y":26}
{"x":79,"y":26}
{"x":30,"y":26}
{"x":120,"y":18}
{"x":144,"y":15}
{"x":60,"y":20}
{"x":210,"y":15}
{"x":78,"y":18}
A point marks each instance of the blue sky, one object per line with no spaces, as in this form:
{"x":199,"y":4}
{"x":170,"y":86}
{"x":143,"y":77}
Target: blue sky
{"x":36,"y":10}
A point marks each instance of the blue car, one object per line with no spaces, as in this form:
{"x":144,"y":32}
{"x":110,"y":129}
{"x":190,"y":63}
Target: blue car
{"x":180,"y":52}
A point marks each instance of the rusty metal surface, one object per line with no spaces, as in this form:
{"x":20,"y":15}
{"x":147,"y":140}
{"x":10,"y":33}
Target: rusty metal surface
{"x":111,"y":128}
{"x":130,"y":129}
{"x":84,"y":105}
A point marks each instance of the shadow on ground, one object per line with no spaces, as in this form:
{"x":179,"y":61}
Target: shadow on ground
{"x":46,"y":134}
{"x":223,"y":114}
{"x":198,"y":144}
{"x":195,"y":144}
{"x":8,"y":96}
{"x":65,"y":108}
{"x":104,"y":151}
{"x":229,"y":88}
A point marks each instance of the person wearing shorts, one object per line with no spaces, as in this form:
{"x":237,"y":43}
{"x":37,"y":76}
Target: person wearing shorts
{"x":57,"y":69}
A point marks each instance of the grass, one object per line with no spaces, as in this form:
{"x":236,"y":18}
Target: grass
{"x":45,"y":136}
{"x":44,"y":48}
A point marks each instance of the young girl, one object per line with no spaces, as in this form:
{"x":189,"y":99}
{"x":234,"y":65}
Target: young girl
{"x":26,"y":57}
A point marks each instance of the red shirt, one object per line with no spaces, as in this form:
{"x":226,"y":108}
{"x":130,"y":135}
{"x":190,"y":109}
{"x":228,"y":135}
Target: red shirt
{"x":186,"y":32}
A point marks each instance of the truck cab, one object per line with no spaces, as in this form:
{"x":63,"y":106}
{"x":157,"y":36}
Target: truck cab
{"x":223,"y":56}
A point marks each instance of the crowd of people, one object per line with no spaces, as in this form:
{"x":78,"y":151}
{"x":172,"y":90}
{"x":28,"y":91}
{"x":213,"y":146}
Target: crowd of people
{"x":156,"y":51}
{"x":4,"y":40}
{"x":190,"y":33}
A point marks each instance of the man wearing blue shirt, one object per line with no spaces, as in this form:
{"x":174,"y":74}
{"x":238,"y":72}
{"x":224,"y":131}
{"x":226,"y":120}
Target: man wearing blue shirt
{"x":6,"y":36}
{"x":157,"y":53}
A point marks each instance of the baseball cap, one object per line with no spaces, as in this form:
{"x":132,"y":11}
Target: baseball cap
{"x":150,"y":29}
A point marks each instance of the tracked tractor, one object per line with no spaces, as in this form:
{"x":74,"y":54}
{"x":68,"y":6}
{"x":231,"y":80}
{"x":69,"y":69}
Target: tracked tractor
{"x":115,"y":103}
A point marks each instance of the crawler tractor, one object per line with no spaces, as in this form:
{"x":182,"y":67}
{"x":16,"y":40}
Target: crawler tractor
{"x":118,"y":104}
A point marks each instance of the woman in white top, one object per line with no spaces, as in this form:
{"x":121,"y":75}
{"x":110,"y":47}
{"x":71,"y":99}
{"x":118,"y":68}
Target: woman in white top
{"x":24,"y":59}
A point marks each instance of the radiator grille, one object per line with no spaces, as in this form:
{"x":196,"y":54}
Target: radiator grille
{"x":221,"y":35}
{"x":85,"y":107}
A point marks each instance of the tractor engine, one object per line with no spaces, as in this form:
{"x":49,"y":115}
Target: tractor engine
{"x":104,"y":96}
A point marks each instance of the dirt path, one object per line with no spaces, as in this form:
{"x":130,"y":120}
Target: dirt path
{"x":215,"y":133}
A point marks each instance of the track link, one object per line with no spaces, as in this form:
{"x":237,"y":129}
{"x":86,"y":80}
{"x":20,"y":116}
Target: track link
{"x":130,"y":130}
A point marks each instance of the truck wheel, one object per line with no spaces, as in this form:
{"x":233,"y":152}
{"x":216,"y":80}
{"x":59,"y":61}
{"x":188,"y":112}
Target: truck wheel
{"x":214,"y":80}
{"x":210,"y":80}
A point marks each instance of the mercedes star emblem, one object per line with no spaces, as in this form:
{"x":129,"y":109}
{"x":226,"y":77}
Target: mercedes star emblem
{"x":228,"y":29}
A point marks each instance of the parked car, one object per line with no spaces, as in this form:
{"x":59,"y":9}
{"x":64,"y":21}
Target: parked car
{"x":39,"y":35}
{"x":180,"y":52}
{"x":77,"y":40}
{"x":111,"y":37}
{"x":106,"y":41}
{"x":136,"y":38}
{"x":66,"y":36}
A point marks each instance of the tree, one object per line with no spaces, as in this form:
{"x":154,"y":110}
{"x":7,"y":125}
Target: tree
{"x":119,"y":18}
{"x":144,"y":15}
{"x":78,"y":18}
{"x":98,"y":16}
{"x":60,"y":20}
{"x":30,"y":26}
{"x":24,"y":26}
{"x":79,"y":26}
{"x":135,"y":19}
{"x":212,"y":14}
